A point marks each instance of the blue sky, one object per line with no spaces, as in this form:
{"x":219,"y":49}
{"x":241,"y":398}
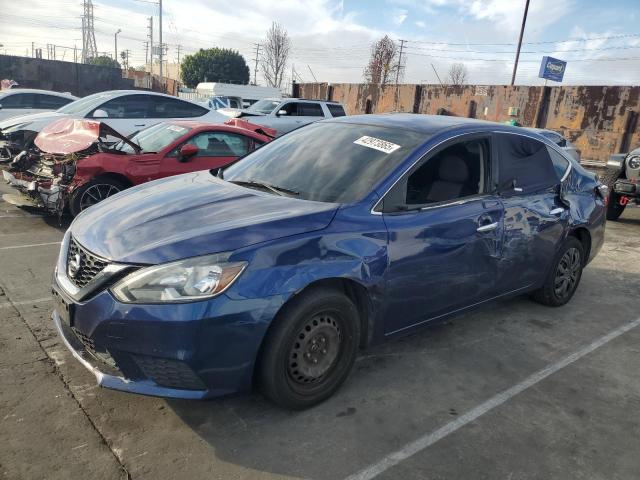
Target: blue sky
{"x":331,"y":38}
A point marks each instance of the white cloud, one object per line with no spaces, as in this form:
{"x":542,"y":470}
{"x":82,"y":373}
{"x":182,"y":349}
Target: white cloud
{"x":420,"y":23}
{"x":399,"y":16}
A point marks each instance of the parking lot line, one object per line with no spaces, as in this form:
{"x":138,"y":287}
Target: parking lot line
{"x":25,"y":302}
{"x":30,"y":245}
{"x":429,"y":439}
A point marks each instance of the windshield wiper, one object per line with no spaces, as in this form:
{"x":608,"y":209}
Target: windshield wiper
{"x":273,"y":188}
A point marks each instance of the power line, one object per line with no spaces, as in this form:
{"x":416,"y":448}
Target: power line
{"x":584,"y":39}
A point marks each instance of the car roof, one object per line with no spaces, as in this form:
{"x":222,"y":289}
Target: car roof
{"x":35,"y":90}
{"x":427,"y":124}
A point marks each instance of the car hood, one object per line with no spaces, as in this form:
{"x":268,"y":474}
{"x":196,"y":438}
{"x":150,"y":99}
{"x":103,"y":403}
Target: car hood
{"x":190,"y":215}
{"x":35,"y":121}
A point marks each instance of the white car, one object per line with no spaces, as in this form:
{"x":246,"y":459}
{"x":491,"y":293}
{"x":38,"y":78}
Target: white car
{"x":22,"y":101}
{"x":126,"y":111}
{"x":287,"y":114}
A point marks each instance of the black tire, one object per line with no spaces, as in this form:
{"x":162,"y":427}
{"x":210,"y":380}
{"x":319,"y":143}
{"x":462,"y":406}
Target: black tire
{"x":614,"y":209}
{"x":564,"y":276}
{"x":103,"y":188}
{"x":310,"y":349}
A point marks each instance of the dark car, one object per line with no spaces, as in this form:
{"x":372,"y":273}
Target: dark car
{"x":329,"y":239}
{"x":76,"y":166}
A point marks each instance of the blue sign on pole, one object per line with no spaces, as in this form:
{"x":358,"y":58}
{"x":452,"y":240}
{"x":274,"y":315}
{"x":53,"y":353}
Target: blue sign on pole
{"x":552,"y":69}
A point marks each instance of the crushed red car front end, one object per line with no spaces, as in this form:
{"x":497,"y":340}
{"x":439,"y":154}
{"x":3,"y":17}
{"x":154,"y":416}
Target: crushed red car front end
{"x":45,"y":175}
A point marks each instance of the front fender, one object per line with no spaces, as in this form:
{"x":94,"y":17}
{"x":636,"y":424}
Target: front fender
{"x":352,"y":248}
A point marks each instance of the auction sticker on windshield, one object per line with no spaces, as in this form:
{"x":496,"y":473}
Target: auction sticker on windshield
{"x":377,"y":144}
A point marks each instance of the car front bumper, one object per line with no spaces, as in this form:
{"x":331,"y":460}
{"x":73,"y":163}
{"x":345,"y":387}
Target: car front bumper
{"x":627,"y":187}
{"x":191,"y":351}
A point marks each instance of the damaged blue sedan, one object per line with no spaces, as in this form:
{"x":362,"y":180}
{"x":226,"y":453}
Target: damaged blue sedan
{"x":334,"y":237}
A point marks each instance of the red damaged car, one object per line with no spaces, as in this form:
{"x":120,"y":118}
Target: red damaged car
{"x":77,"y":164}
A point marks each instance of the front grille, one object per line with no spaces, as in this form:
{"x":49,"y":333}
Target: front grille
{"x":86,"y":264}
{"x":169,"y":373}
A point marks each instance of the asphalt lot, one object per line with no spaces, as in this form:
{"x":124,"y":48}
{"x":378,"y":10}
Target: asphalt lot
{"x":514,"y":391}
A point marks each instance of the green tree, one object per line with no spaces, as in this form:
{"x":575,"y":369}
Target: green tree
{"x":214,"y":65}
{"x":104,"y":61}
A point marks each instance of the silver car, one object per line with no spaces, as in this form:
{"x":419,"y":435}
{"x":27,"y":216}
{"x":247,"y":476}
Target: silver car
{"x":559,"y":140}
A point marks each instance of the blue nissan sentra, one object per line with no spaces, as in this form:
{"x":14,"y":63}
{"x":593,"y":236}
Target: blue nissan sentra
{"x":331,"y":238}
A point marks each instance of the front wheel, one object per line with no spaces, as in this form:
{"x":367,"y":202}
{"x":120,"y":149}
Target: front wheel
{"x":93,"y":192}
{"x":564,"y":277}
{"x":310,"y":349}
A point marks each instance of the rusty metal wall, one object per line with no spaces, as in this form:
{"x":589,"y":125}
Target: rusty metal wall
{"x":598,"y":120}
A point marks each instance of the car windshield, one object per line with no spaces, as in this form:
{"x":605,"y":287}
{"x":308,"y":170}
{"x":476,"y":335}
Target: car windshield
{"x":86,"y":104}
{"x":264,"y":106}
{"x":326,"y":161}
{"x":154,"y":139}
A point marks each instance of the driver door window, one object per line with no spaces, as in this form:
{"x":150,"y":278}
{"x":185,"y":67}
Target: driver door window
{"x":221,"y":144}
{"x":128,"y":106}
{"x":458,"y":171}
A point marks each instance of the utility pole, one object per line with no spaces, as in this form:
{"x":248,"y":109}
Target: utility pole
{"x":398,"y":74}
{"x":115,"y":45}
{"x":178,"y":48}
{"x":32,"y":45}
{"x":146,"y":54}
{"x":160,"y":37}
{"x":255,"y":68}
{"x":151,"y":46}
{"x":524,"y":21}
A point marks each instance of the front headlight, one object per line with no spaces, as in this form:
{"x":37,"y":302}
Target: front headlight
{"x":183,"y":281}
{"x":634,"y":163}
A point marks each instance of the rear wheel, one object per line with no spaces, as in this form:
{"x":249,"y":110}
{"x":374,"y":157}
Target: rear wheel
{"x":310,"y":349}
{"x":93,"y":192}
{"x":564,"y":277}
{"x":614,"y":209}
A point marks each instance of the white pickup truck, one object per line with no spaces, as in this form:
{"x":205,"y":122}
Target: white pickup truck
{"x":286,"y":114}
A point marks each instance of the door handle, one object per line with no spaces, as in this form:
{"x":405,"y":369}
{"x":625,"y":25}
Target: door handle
{"x":556,"y":211}
{"x":139,"y":124}
{"x":488,"y":227}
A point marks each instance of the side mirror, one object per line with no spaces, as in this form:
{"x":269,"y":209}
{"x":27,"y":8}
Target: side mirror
{"x":187,"y":151}
{"x":562,"y":143}
{"x":281,"y":112}
{"x":0,"y":106}
{"x":99,"y":113}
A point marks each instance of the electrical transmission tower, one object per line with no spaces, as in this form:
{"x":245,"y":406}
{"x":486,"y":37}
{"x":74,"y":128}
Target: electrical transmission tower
{"x":89,"y":47}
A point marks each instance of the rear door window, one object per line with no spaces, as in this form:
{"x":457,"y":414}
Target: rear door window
{"x":336,"y":110}
{"x":310,"y":110}
{"x":163,"y":107}
{"x":524,"y":163}
{"x":560,"y":164}
{"x":52,"y":102}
